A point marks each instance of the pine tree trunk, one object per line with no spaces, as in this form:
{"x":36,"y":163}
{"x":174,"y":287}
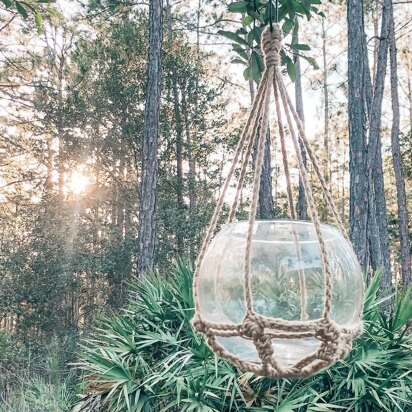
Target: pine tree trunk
{"x":409,"y":75}
{"x":374,"y":159}
{"x":326,"y":171}
{"x":192,"y":176}
{"x":59,"y":127}
{"x":358,"y":213}
{"x":147,"y":209}
{"x":179,"y":142}
{"x":374,"y":242}
{"x":405,"y":252}
{"x":373,"y":253}
{"x":179,"y":166}
{"x":266,"y":203}
{"x":302,"y":207}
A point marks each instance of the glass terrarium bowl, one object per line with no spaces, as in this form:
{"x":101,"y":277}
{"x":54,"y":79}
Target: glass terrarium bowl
{"x":281,"y":251}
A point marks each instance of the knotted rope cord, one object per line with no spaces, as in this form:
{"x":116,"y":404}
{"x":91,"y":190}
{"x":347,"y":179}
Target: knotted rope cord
{"x":245,"y":164}
{"x":255,"y":193}
{"x":292,"y":209}
{"x":213,"y":223}
{"x":311,"y":202}
{"x":302,"y":279}
{"x":335,"y":340}
{"x":309,"y":150}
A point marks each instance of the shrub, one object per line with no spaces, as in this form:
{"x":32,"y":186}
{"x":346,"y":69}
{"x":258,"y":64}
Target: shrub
{"x":149,"y":359}
{"x":35,"y":382}
{"x":36,"y":394}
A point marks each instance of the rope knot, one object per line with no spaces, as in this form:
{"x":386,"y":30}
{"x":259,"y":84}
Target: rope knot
{"x":328,"y":332}
{"x":199,"y":325}
{"x":252,"y":328}
{"x":271,"y":45}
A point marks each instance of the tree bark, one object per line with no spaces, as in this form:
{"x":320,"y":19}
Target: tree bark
{"x":326,"y":171}
{"x":179,"y":166}
{"x":192,"y":175}
{"x":409,"y":75}
{"x":179,"y":141}
{"x":374,"y":160}
{"x":266,"y":203}
{"x":302,"y":206}
{"x":358,"y":212}
{"x":405,"y":252}
{"x":147,"y":209}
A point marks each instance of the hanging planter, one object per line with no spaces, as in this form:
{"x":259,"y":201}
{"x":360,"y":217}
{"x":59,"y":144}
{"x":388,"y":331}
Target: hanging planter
{"x":277,"y":298}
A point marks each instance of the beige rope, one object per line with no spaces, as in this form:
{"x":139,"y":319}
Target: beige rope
{"x":335,"y":341}
{"x":292,"y":209}
{"x":255,"y":194}
{"x":302,"y":279}
{"x":311,"y":202}
{"x":219,"y":205}
{"x":260,"y":96}
{"x":315,"y":163}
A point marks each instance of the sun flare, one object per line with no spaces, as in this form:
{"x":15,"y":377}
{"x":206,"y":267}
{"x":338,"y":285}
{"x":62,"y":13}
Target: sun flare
{"x":78,"y":182}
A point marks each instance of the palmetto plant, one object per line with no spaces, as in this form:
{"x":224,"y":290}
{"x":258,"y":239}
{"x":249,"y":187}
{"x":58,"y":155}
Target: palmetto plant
{"x":149,"y":359}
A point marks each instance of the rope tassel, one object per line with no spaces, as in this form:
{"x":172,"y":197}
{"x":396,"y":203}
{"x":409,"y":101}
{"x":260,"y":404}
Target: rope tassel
{"x":335,"y":341}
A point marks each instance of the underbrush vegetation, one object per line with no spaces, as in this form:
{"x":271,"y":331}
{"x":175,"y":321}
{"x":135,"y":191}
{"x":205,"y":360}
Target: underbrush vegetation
{"x":35,"y":380}
{"x":37,"y":394}
{"x":149,"y":358}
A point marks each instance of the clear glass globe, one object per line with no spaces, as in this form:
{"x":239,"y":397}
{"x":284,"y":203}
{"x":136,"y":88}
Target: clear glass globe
{"x":280,"y":250}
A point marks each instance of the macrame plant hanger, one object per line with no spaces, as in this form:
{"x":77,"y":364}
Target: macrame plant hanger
{"x":335,"y":341}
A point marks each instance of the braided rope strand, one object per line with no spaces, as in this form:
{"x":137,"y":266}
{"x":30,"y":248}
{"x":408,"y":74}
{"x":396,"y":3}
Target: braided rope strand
{"x":255,"y":194}
{"x":218,"y":209}
{"x":249,"y":147}
{"x":311,"y":202}
{"x":314,"y":161}
{"x":302,"y":278}
{"x":285,"y":161}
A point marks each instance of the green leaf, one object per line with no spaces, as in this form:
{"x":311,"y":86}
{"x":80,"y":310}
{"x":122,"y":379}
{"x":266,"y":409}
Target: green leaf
{"x":54,"y":13}
{"x":240,"y":51}
{"x":311,"y":61}
{"x":238,"y":7}
{"x":248,"y":20}
{"x":22,"y":11}
{"x":291,"y":9}
{"x":283,"y":12}
{"x":250,"y":38}
{"x":232,"y":36}
{"x":287,"y":26}
{"x":291,"y":69}
{"x":257,"y":33}
{"x":256,"y":67}
{"x":238,"y":61}
{"x":7,"y":3}
{"x":38,"y":19}
{"x":246,"y":73}
{"x":303,"y":47}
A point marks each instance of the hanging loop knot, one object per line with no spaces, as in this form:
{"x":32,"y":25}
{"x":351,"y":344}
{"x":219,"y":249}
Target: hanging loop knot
{"x":199,"y":325}
{"x":251,"y":327}
{"x":329,"y":332}
{"x":271,"y":45}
